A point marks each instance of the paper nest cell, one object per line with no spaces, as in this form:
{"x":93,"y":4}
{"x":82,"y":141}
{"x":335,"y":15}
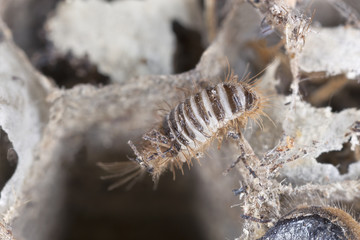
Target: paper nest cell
{"x":49,"y":126}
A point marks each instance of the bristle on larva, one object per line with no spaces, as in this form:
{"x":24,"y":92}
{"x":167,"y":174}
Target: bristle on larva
{"x":189,"y":128}
{"x":127,"y":173}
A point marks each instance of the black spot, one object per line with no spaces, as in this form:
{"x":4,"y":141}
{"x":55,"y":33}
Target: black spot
{"x":340,"y":159}
{"x":68,"y":71}
{"x":8,"y":158}
{"x":189,"y":48}
{"x":338,"y":97}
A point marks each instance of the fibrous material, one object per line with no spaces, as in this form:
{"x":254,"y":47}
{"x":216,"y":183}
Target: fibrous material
{"x":332,"y":50}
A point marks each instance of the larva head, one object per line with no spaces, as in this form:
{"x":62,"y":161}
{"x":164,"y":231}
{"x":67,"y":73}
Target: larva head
{"x":252,"y":99}
{"x":241,"y":98}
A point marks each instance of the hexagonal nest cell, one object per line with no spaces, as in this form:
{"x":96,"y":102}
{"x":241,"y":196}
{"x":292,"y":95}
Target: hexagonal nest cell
{"x":84,"y":82}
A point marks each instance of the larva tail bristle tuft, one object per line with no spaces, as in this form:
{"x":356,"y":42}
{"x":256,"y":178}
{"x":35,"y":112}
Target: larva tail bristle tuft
{"x":127,"y":173}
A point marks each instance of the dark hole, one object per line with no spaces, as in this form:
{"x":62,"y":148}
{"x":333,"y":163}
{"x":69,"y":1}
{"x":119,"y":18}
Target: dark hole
{"x":189,"y":48}
{"x":341,"y":159}
{"x":263,"y":52}
{"x":68,"y":70}
{"x":8,"y":159}
{"x":331,"y":92}
{"x":95,"y":213}
{"x":348,"y":97}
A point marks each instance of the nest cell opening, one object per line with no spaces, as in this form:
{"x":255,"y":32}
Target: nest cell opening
{"x":8,"y":158}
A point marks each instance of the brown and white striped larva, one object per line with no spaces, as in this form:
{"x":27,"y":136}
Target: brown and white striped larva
{"x":189,"y":128}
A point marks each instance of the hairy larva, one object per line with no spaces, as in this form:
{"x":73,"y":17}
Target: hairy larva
{"x":315,"y":222}
{"x":187,"y":130}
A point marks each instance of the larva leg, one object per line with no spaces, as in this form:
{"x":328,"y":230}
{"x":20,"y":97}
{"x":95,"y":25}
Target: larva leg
{"x":157,"y":140}
{"x":156,"y":137}
{"x":168,"y":150}
{"x":160,"y":153}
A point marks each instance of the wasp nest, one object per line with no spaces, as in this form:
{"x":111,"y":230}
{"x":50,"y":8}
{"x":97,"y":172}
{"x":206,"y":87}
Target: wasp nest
{"x":81,"y":78}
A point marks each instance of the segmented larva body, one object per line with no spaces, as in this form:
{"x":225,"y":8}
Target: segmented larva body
{"x":188,"y":129}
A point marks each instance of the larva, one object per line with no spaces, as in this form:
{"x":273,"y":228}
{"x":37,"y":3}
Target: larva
{"x":187,"y":130}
